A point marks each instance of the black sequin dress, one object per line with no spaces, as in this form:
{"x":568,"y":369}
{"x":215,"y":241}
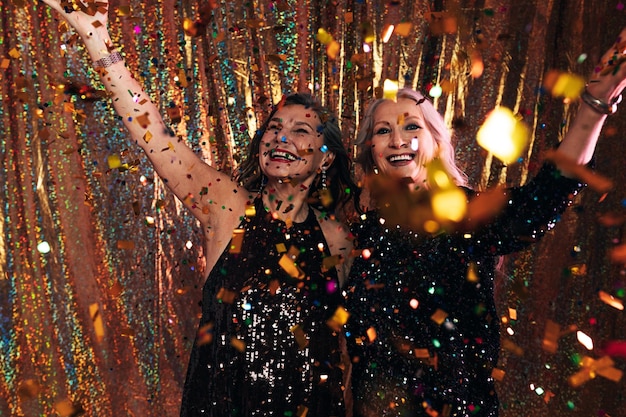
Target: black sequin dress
{"x":263,"y":347}
{"x":424,"y":332}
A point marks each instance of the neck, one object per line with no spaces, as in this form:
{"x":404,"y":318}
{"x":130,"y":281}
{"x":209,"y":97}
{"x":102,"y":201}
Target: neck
{"x":286,"y":201}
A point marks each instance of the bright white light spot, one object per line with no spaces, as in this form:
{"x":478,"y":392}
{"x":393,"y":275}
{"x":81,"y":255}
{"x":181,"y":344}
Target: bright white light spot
{"x":584,"y":340}
{"x":387,"y":33}
{"x":189,"y":245}
{"x":43,"y":247}
{"x":435,"y":91}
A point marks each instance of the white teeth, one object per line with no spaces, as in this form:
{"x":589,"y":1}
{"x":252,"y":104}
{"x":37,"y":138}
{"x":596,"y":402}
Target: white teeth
{"x":274,"y":153}
{"x":400,"y":158}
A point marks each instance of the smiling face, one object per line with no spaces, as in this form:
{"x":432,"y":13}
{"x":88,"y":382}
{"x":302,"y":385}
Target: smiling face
{"x":401,"y":143}
{"x":291,"y":147}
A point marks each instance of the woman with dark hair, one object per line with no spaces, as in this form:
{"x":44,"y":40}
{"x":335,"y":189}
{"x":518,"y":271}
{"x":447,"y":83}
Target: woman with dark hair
{"x":424,"y":331}
{"x":267,"y":344}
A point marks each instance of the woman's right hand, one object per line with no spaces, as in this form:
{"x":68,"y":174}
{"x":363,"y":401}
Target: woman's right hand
{"x":84,"y":17}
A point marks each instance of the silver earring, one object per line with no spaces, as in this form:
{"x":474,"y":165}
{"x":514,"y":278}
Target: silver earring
{"x":324,"y":185}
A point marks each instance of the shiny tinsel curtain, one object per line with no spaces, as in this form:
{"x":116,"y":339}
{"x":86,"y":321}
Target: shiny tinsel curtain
{"x":101,"y":266}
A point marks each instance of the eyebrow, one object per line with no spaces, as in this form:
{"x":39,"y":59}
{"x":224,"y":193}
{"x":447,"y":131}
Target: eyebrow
{"x":297,"y":123}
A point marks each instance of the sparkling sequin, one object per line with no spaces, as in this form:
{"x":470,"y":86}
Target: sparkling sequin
{"x":271,"y":353}
{"x":436,"y":331}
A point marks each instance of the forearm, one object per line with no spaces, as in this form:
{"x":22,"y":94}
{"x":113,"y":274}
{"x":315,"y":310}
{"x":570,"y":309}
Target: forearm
{"x":137,"y":111}
{"x":175,"y":162}
{"x":582,"y":136}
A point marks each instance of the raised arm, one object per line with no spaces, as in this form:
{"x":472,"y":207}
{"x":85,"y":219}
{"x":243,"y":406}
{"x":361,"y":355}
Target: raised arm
{"x":203,"y":189}
{"x":603,"y":90}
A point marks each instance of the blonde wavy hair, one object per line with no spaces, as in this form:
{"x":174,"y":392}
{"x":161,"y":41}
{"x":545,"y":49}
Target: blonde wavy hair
{"x":434,"y":123}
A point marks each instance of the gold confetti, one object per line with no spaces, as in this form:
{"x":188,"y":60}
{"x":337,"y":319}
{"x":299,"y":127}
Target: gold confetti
{"x":238,"y":344}
{"x":512,"y":347}
{"x":610,"y":300}
{"x":28,"y":389}
{"x":439,"y":316}
{"x":591,"y":367}
{"x":618,"y":254}
{"x":250,"y":211}
{"x":287,"y":263}
{"x":300,"y":336}
{"x":65,"y":408}
{"x":390,"y":89}
{"x":571,"y":167}
{"x":114,"y":161}
{"x":302,"y":411}
{"x":403,"y":29}
{"x":96,"y":318}
{"x":236,"y":241}
{"x":143,"y":120}
{"x":503,"y":135}
{"x":498,"y":374}
{"x":330,"y":262}
{"x":551,"y":336}
{"x":226,"y":296}
{"x":371,"y":334}
{"x":339,"y":319}
{"x":125,"y":244}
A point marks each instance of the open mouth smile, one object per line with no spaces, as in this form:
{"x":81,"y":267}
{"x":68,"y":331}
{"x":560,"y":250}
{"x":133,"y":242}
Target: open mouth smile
{"x":279,"y":155}
{"x":401,"y":159}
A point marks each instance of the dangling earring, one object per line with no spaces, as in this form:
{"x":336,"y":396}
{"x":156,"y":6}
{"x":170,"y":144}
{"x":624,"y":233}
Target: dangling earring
{"x":263,"y":183}
{"x":323,"y":181}
{"x":375,"y":170}
{"x":326,"y":198}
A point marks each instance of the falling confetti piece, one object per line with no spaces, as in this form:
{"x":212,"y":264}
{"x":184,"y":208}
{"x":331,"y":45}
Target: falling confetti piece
{"x":571,"y":167}
{"x":498,"y":374}
{"x":371,"y":334}
{"x":591,"y":367}
{"x":551,"y":335}
{"x":65,"y":408}
{"x":403,"y":29}
{"x":449,"y":202}
{"x":205,"y":334}
{"x":143,"y":120}
{"x":28,"y":389}
{"x":226,"y":296}
{"x":439,"y":316}
{"x":584,"y":340}
{"x":300,"y":336}
{"x":503,"y":135}
{"x":324,"y":37}
{"x":236,"y":241}
{"x":618,"y":254}
{"x":287,"y":263}
{"x":96,"y":318}
{"x":610,"y":300}
{"x":390,"y":89}
{"x":330,"y":262}
{"x":477,"y":65}
{"x":114,"y":161}
{"x":125,"y":244}
{"x":238,"y":344}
